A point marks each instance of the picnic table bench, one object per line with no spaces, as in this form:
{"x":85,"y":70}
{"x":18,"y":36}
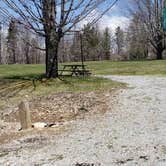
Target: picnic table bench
{"x":74,"y":70}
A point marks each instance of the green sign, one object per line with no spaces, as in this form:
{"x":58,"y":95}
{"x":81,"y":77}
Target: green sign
{"x":164,"y":19}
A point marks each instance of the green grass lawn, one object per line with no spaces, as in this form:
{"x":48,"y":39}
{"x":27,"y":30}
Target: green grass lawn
{"x":128,"y":67}
{"x":101,"y":68}
{"x":16,"y":81}
{"x":12,"y":91}
{"x":18,"y":70}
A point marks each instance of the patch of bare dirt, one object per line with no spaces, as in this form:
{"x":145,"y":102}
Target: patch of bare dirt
{"x":54,"y":109}
{"x":61,"y":107}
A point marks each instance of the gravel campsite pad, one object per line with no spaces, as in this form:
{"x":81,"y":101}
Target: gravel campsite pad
{"x":132,"y":132}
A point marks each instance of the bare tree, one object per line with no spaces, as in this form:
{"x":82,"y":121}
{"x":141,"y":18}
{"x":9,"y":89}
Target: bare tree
{"x":150,"y":13}
{"x":136,"y":40}
{"x":119,"y":40}
{"x":35,"y":53}
{"x":52,"y":19}
{"x":12,"y":41}
{"x":26,"y":47}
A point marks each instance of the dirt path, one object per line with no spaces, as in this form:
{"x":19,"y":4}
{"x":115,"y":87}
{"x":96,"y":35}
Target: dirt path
{"x":132,"y":132}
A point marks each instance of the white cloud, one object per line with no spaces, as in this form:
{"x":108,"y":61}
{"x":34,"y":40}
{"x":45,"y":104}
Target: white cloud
{"x":111,"y":22}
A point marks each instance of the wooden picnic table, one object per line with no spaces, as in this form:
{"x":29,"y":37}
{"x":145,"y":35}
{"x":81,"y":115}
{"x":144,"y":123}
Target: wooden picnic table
{"x":74,"y":69}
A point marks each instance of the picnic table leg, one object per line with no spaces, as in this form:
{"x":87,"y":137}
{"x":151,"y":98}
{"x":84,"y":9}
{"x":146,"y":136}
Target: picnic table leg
{"x":62,"y":70}
{"x":73,"y":70}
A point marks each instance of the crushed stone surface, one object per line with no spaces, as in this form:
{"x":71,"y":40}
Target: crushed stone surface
{"x":131,"y":133}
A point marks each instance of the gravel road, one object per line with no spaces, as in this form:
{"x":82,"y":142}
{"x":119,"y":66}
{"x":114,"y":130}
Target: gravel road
{"x":132,"y":132}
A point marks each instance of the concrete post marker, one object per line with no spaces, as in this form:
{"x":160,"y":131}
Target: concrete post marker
{"x":25,"y":116}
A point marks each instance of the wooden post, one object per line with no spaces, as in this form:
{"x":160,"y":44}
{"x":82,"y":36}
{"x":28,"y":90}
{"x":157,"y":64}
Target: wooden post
{"x":25,"y":116}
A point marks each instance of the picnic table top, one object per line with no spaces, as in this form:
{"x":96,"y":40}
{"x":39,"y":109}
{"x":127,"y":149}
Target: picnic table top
{"x":74,"y":69}
{"x":70,"y":65}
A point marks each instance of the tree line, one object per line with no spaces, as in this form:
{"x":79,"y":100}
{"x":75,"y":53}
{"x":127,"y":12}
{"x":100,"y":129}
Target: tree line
{"x":40,"y":26}
{"x":19,"y":46}
{"x":52,"y":19}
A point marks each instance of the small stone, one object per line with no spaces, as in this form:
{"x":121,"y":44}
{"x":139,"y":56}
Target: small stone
{"x":39,"y":125}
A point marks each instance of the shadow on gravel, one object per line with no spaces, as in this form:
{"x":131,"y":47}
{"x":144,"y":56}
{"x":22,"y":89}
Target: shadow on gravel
{"x":88,"y":164}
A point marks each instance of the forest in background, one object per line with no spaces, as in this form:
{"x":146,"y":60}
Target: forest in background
{"x":144,"y":38}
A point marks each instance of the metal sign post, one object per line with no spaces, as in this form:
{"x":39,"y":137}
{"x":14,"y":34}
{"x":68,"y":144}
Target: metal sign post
{"x":164,"y":15}
{"x":82,"y":56}
{"x":164,"y":22}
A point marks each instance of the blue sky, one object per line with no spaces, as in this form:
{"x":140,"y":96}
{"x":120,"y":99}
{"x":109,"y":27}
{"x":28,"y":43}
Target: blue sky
{"x":122,"y":8}
{"x":117,"y":16}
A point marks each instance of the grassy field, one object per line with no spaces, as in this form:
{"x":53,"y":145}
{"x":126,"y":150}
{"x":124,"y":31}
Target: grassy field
{"x":16,"y":81}
{"x":23,"y":75}
{"x":101,"y":68}
{"x":15,"y":71}
{"x":128,"y":67}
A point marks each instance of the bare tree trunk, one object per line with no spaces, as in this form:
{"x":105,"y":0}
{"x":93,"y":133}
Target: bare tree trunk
{"x":12,"y":41}
{"x":27,"y":58}
{"x":12,"y":54}
{"x":159,"y":54}
{"x":51,"y":57}
{"x":160,"y":48}
{"x":52,"y":38}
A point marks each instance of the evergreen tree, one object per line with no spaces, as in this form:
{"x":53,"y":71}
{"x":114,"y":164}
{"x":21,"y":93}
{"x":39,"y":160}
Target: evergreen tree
{"x":106,"y":43}
{"x":91,"y":42}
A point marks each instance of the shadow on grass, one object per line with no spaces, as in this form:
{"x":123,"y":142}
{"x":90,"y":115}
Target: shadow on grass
{"x":24,"y":77}
{"x":12,"y":85}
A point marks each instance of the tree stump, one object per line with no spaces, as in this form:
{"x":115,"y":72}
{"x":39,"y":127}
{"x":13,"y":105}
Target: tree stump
{"x":25,"y":116}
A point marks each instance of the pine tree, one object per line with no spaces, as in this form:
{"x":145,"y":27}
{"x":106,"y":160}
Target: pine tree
{"x":106,"y":43}
{"x":91,"y":42}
